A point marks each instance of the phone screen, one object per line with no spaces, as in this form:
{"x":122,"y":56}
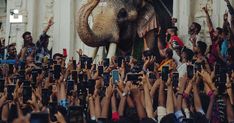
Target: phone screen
{"x":70,"y":87}
{"x":165,"y":72}
{"x":91,"y":85}
{"x":100,"y":70}
{"x":82,"y":62}
{"x":106,"y":62}
{"x":27,"y":94}
{"x":89,"y":62}
{"x":53,"y":110}
{"x":74,"y":64}
{"x":120,"y":60}
{"x":74,"y":76}
{"x":45,"y":96}
{"x":115,"y":76}
{"x":2,"y":84}
{"x":175,"y":79}
{"x":10,"y":90}
{"x":134,"y":78}
{"x":57,"y":71}
{"x":106,"y":77}
{"x":190,"y":71}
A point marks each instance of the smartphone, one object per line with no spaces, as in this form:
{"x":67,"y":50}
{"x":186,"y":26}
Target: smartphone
{"x":74,"y":76}
{"x":89,"y":61}
{"x":90,"y":85}
{"x":27,"y":94}
{"x":74,"y":64}
{"x":115,"y":76}
{"x":75,"y":114}
{"x":190,"y":71}
{"x":10,"y":91}
{"x":57,"y":71}
{"x":26,"y":83}
{"x":100,"y":70}
{"x":165,"y":72}
{"x":45,"y":96}
{"x":82,"y":62}
{"x":34,"y":77}
{"x":175,"y":79}
{"x":120,"y":60}
{"x":70,"y":87}
{"x":106,"y":79}
{"x":53,"y":110}
{"x":134,"y":78}
{"x":39,"y":117}
{"x":2,"y":84}
{"x":106,"y":62}
{"x":80,"y":77}
{"x":64,"y":52}
{"x":187,"y":120}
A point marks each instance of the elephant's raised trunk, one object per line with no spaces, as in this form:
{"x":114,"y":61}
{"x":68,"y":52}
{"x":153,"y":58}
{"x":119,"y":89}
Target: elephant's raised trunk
{"x":85,"y":32}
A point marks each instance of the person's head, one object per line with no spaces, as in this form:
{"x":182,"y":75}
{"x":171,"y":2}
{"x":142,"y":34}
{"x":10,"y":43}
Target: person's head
{"x":187,"y":54}
{"x":195,"y":28}
{"x":29,"y":60}
{"x":58,"y":58}
{"x":169,"y":53}
{"x":27,"y":38}
{"x":218,"y":33}
{"x":12,"y":50}
{"x":172,"y":31}
{"x":201,"y":47}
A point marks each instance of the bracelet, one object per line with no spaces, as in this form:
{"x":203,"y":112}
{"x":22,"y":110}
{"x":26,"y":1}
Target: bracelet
{"x":179,"y":94}
{"x":210,"y":93}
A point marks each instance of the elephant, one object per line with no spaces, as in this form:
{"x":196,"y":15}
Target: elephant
{"x":116,"y":24}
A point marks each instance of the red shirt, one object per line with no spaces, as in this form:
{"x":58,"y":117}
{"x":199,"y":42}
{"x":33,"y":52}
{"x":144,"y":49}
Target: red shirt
{"x":175,"y":40}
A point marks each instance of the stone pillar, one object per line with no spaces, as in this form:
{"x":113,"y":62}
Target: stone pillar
{"x":184,"y":17}
{"x":63,"y":34}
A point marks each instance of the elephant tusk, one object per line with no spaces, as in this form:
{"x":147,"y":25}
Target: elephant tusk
{"x":112,"y":50}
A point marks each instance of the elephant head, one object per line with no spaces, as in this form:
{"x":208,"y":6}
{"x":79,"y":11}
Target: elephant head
{"x":107,"y":16}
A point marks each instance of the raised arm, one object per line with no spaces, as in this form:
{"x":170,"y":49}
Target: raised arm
{"x":208,"y":19}
{"x":148,"y":99}
{"x":50,"y":23}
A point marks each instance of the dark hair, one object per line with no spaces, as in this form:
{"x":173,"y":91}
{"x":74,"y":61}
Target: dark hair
{"x":57,"y":54}
{"x":202,"y":47}
{"x":169,"y":52}
{"x":189,"y":54}
{"x":26,"y":33}
{"x":220,"y":30}
{"x":170,"y":118}
{"x":11,"y":45}
{"x":197,"y":26}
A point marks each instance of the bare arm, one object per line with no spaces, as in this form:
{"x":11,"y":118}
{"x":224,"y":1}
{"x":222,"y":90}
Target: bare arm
{"x":208,"y":19}
{"x":140,"y":109}
{"x":148,"y":99}
{"x":170,"y":102}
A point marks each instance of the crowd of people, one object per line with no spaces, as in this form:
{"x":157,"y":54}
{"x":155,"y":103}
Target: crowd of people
{"x":191,"y":82}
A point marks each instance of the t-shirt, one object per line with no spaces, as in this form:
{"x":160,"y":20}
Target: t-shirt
{"x":174,"y":42}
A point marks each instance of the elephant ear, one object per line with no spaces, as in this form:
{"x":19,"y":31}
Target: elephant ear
{"x":147,"y":20}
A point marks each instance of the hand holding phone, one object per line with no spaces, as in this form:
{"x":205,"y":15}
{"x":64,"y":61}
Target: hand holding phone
{"x":115,"y":76}
{"x":65,"y":52}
